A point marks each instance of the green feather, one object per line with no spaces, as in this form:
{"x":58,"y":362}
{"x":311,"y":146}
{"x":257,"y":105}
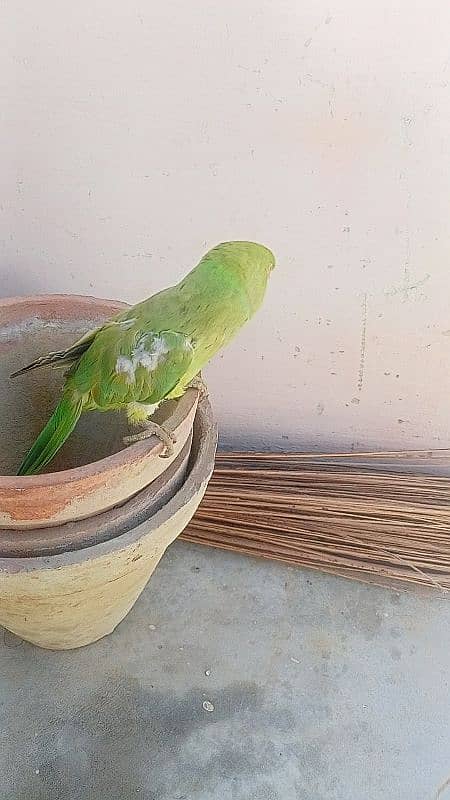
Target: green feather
{"x":52,"y":437}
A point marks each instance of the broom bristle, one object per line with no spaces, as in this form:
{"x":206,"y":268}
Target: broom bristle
{"x":360,"y":522}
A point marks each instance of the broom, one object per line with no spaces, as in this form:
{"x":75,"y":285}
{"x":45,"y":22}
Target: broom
{"x":351,"y":514}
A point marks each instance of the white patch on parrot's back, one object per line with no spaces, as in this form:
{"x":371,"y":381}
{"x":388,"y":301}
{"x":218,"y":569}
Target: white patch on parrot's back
{"x":124,"y":366}
{"x":150,"y":358}
{"x":141,"y":356}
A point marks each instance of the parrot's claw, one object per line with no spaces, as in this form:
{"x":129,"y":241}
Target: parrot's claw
{"x":153,"y":429}
{"x":199,"y":384}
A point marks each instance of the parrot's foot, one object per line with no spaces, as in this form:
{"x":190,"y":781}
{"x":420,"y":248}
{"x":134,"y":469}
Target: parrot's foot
{"x":199,"y":384}
{"x":153,"y":429}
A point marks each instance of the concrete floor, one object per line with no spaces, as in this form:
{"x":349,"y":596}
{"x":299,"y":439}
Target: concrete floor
{"x":322,"y":689}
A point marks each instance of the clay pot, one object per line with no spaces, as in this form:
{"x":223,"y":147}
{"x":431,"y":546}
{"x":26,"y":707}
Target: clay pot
{"x":94,"y":471}
{"x":66,"y":600}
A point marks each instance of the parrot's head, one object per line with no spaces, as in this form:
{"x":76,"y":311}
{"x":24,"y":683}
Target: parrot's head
{"x":249,"y":257}
{"x":250,"y":263}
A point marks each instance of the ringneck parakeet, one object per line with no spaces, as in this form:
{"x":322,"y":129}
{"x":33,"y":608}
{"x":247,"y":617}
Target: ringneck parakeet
{"x":156,"y":349}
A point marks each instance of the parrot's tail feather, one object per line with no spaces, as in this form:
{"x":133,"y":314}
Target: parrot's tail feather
{"x":52,"y":437}
{"x":60,"y":358}
{"x":52,"y":359}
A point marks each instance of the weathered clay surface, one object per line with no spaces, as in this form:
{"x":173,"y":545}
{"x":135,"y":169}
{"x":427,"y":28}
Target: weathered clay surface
{"x":94,"y":471}
{"x":69,"y":536}
{"x":69,"y":600}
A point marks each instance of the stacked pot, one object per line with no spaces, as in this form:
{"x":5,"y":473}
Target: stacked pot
{"x":78,"y":545}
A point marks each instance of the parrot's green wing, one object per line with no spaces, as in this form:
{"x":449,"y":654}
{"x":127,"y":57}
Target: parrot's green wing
{"x":130,"y":365}
{"x":121,"y":366}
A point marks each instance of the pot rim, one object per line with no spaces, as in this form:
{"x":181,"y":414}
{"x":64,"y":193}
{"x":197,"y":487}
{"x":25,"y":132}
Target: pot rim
{"x":79,"y":534}
{"x":199,"y":472}
{"x":134,"y":452}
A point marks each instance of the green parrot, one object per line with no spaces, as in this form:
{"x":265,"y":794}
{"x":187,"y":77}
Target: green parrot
{"x":156,"y":349}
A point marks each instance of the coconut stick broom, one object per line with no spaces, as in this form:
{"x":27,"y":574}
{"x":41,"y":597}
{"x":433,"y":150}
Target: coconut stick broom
{"x":378,"y":517}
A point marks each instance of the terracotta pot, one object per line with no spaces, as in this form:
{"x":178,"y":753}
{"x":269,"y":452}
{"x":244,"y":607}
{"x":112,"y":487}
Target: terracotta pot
{"x":86,"y":532}
{"x":94,"y":471}
{"x":67,"y":600}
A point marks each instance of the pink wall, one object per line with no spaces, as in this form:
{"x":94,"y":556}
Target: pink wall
{"x":136,"y":135}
